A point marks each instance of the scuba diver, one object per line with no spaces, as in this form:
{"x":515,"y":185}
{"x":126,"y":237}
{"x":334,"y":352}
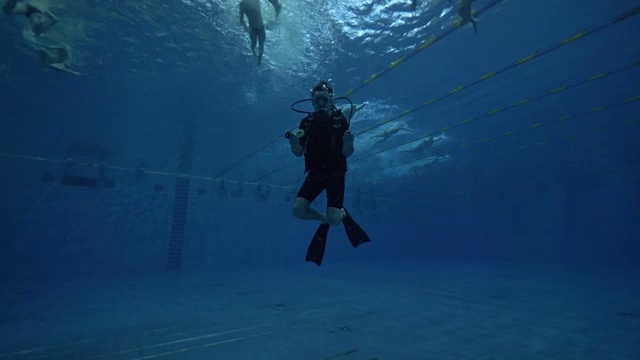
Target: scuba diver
{"x":325,"y":140}
{"x":389,"y":133}
{"x":257,"y":33}
{"x":41,"y":20}
{"x":466,"y":14}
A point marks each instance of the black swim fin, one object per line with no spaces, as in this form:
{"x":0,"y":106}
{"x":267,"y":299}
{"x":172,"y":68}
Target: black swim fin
{"x":354,"y":232}
{"x":315,"y":252}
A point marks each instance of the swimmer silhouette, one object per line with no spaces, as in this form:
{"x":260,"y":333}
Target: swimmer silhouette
{"x":466,"y":14}
{"x":252,"y":10}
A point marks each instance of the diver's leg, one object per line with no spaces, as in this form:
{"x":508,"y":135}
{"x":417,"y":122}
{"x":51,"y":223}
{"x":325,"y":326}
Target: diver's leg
{"x":261,"y":38}
{"x":336,"y":213}
{"x":475,"y":24}
{"x":303,"y":211}
{"x":335,"y":198}
{"x":309,"y":191}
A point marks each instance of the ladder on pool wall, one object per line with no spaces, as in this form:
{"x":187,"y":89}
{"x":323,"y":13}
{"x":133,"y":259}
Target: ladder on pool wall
{"x":178,"y":224}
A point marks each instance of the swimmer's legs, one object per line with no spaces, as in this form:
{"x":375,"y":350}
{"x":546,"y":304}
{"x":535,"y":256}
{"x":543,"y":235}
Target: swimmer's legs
{"x":44,"y":56}
{"x":276,"y":5}
{"x":261,"y":38}
{"x":254,"y":39}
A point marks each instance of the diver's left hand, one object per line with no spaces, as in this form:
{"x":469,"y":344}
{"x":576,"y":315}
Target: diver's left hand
{"x":348,"y":137}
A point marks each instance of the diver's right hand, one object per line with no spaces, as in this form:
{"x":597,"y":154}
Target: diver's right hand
{"x":294,"y":141}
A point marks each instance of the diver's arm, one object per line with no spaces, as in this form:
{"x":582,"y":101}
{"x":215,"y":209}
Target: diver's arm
{"x":347,"y":145}
{"x":296,"y":147}
{"x":297,"y":151}
{"x":297,"y":143}
{"x":347,"y":140}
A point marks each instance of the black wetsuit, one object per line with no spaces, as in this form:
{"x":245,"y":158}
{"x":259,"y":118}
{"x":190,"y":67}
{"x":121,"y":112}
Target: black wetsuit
{"x":323,"y":158}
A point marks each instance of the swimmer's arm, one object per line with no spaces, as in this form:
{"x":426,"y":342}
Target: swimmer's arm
{"x":358,"y":108}
{"x":54,"y":18}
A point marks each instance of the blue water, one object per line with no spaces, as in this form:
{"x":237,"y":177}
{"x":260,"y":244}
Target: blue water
{"x":516,"y":235}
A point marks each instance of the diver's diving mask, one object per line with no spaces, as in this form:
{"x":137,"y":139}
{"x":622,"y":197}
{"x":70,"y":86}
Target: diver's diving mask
{"x":322,"y":98}
{"x":321,"y":101}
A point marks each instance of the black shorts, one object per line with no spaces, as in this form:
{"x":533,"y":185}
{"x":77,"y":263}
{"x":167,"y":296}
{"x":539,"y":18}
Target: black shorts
{"x":314,"y":184}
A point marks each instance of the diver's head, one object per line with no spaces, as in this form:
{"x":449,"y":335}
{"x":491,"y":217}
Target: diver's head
{"x":322,"y":98}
